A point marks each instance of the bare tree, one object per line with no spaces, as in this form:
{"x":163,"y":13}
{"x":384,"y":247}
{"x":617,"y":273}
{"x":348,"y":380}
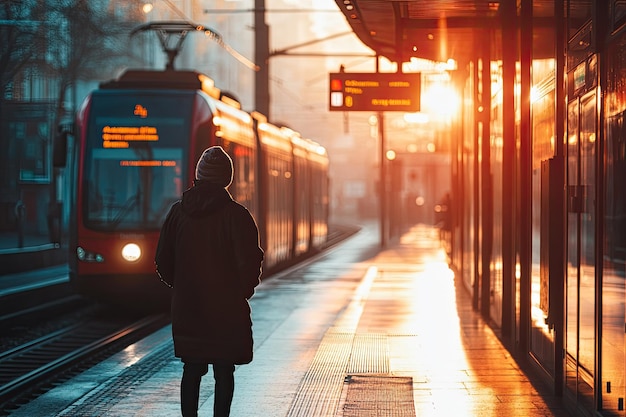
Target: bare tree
{"x":21,"y":35}
{"x":93,"y":43}
{"x":46,"y":47}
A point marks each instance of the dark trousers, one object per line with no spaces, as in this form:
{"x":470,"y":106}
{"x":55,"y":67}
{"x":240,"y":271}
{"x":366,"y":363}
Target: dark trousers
{"x":190,"y":387}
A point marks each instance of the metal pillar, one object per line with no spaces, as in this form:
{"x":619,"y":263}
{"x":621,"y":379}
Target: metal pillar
{"x":509,"y":56}
{"x":486,"y":193}
{"x":525,"y":173}
{"x":261,"y":58}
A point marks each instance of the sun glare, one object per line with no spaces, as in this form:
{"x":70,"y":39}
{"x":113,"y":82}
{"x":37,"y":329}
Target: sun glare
{"x":440,"y":99}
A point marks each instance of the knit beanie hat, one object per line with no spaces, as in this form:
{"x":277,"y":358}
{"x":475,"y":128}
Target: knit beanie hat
{"x":215,"y":166}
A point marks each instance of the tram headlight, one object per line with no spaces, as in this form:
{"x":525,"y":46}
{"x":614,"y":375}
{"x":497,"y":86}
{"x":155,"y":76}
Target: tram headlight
{"x":131,"y":252}
{"x":87,"y":256}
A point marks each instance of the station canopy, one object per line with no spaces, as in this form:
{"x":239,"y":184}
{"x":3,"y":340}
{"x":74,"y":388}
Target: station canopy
{"x":442,"y":29}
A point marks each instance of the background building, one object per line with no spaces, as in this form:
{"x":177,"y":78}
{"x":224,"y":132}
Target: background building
{"x":88,"y":41}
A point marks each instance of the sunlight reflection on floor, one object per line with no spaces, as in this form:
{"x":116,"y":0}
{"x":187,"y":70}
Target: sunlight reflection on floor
{"x":426,"y":331}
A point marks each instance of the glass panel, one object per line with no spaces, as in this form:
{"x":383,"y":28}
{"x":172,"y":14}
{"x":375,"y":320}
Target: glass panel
{"x":618,"y":13}
{"x":134,"y":165}
{"x":497,"y":122}
{"x":614,"y":277}
{"x":587,"y":292}
{"x":580,"y":327}
{"x":467,"y":186}
{"x":571,"y":339}
{"x":242,"y":187}
{"x":613,"y":353}
{"x":25,"y":154}
{"x":579,"y":12}
{"x":542,"y":339}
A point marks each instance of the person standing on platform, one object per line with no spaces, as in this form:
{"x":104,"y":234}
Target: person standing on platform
{"x":209,"y":253}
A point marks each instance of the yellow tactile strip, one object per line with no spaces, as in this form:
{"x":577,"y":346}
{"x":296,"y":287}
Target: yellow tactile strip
{"x":320,"y":389}
{"x":379,"y":396}
{"x":342,"y":351}
{"x":370,"y":354}
{"x":339,"y":354}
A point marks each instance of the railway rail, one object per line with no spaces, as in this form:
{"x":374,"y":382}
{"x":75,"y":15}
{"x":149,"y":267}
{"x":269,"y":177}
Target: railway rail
{"x":28,"y":368}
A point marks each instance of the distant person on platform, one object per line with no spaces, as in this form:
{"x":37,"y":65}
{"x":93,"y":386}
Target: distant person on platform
{"x":209,"y":253}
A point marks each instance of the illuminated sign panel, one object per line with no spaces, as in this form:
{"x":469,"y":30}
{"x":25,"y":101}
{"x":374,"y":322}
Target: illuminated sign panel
{"x":121,"y":136}
{"x":374,"y":92}
{"x":151,"y":163}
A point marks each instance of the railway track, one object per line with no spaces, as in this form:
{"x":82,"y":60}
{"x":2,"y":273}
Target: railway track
{"x":338,"y":234}
{"x":28,"y":368}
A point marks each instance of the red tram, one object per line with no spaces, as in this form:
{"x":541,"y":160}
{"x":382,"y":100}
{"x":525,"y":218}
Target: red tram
{"x":138,"y":139}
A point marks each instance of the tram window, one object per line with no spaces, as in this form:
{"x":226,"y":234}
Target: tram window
{"x":242,"y":187}
{"x":122,"y":193}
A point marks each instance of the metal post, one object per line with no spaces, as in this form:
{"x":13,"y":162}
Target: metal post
{"x":486,"y":192}
{"x":559,"y":228}
{"x":509,"y":54}
{"x":20,"y":218}
{"x":383,"y":174}
{"x":383,"y":181}
{"x":261,"y":57}
{"x":525,"y":195}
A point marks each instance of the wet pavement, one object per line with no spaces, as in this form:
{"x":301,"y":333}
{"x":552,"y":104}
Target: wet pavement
{"x":357,"y":332}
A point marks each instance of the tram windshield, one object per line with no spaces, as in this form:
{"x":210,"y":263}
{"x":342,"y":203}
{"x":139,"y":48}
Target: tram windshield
{"x":134,"y":167}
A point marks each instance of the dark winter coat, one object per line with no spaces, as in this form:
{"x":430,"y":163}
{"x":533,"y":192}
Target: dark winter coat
{"x":209,"y":253}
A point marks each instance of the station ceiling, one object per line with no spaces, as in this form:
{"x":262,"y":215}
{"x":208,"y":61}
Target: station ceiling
{"x":438,"y":29}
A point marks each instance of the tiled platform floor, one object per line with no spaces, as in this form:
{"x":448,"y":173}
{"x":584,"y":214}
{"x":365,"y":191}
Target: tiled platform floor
{"x":357,"y":333}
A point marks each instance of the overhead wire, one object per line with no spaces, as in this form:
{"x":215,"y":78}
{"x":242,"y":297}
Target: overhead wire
{"x":213,"y":35}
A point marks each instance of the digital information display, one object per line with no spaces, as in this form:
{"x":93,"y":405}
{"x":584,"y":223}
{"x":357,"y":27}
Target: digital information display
{"x":376,"y":91}
{"x":120,"y":137}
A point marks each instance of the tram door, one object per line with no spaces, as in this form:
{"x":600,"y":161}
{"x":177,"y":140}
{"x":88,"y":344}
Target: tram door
{"x":581,"y":262}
